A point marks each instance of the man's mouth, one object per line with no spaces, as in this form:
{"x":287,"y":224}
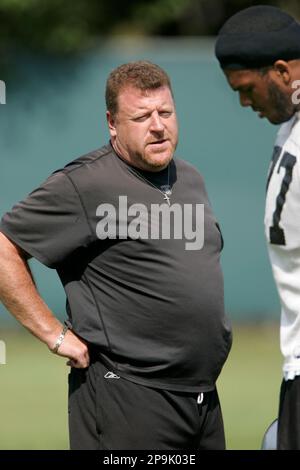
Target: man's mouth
{"x":158,"y":142}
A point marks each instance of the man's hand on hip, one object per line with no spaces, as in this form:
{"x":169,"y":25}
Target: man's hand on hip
{"x":75,"y":349}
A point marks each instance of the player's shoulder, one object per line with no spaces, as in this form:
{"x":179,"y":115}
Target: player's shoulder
{"x":187,"y":168}
{"x":86,"y":171}
{"x":90,"y":159}
{"x":295,"y":134}
{"x":289,"y":132}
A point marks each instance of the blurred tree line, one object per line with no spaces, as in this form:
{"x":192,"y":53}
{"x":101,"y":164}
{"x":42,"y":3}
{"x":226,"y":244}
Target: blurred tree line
{"x":70,"y":26}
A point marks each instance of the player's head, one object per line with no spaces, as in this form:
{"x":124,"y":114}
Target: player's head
{"x":141,"y":114}
{"x":259,"y":51}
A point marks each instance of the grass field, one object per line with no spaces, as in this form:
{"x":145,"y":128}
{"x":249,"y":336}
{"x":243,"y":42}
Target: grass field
{"x":33,"y":406}
{"x":249,"y":385}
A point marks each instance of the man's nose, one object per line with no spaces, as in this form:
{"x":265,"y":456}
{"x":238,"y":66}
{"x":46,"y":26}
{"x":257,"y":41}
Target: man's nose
{"x":156,"y":123}
{"x":245,"y":100}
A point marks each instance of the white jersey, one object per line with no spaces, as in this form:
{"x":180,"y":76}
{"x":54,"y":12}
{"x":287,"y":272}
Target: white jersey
{"x":282,"y":227}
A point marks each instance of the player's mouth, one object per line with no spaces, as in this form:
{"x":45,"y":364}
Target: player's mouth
{"x":158,"y":143}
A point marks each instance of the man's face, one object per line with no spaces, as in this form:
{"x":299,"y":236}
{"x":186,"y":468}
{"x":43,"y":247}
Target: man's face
{"x":144,"y":130}
{"x":263,"y":93}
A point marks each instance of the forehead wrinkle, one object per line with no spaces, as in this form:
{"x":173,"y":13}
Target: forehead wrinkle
{"x":133,"y":101}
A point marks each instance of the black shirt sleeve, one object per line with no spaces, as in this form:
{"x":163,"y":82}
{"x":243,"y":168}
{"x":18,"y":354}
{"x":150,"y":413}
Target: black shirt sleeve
{"x":50,"y":223}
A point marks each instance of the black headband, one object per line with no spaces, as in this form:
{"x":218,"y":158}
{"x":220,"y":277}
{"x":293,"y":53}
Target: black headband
{"x":257,"y":37}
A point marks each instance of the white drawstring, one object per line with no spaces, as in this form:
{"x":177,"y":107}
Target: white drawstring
{"x":200,"y":398}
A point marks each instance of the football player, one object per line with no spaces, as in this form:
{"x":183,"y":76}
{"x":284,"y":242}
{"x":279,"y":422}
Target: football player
{"x":259,"y":51}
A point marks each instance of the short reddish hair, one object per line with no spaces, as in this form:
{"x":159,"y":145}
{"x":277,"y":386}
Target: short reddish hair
{"x":141,"y":74}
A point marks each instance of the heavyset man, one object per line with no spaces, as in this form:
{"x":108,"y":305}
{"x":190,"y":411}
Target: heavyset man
{"x":134,"y":241}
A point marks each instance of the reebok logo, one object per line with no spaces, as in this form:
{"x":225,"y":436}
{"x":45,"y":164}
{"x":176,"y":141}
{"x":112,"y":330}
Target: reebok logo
{"x":111,"y":375}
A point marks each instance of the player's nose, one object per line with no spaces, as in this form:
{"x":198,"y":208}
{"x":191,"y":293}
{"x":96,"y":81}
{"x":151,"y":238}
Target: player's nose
{"x":245,"y":100}
{"x":156,"y":122}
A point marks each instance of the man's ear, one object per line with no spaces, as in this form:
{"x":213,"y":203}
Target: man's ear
{"x":283,"y":71}
{"x":111,"y":124}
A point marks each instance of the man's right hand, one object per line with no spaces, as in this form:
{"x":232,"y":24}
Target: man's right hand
{"x":75,"y":349}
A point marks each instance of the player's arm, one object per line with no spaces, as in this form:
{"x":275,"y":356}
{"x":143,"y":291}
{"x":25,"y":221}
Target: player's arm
{"x":20,"y":296}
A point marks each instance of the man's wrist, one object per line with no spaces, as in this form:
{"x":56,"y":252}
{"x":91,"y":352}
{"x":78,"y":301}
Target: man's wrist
{"x":59,"y":340}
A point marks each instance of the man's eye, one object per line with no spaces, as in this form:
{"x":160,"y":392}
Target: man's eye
{"x":141,"y":118}
{"x":165,"y":114}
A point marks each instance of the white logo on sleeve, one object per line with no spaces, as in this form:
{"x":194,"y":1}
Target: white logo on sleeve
{"x":2,"y":352}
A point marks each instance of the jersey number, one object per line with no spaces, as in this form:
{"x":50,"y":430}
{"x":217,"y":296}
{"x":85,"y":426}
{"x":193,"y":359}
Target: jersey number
{"x":287,"y":162}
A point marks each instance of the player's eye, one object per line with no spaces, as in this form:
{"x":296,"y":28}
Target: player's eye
{"x":141,"y":118}
{"x":165,"y":114}
{"x":247,"y":89}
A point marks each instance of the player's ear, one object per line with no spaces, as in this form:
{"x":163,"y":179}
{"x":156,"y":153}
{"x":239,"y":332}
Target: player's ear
{"x":283,"y":71}
{"x":111,"y":121}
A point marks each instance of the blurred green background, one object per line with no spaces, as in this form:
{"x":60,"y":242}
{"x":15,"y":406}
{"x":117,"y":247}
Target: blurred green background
{"x":55,"y":65}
